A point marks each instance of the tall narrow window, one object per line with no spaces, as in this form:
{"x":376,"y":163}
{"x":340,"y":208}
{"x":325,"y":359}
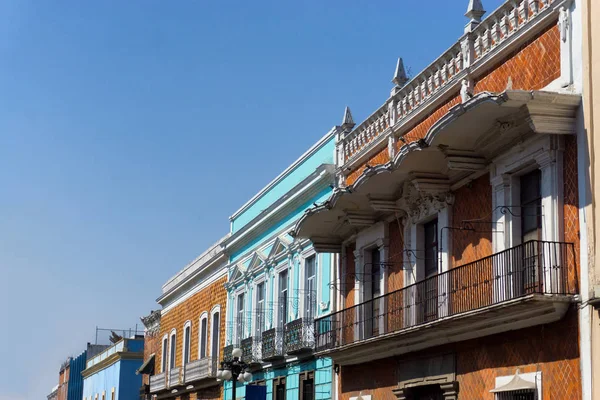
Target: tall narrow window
{"x":165,"y":355}
{"x":307,"y":385}
{"x":310,"y":287}
{"x":429,"y":299}
{"x":172,"y":351}
{"x":214,"y":337}
{"x":260,"y":309}
{"x":283,"y":297}
{"x":203,"y":332}
{"x":531,"y":205}
{"x":279,"y":384}
{"x":240,"y":318}
{"x":187,"y":332}
{"x":375,"y":282}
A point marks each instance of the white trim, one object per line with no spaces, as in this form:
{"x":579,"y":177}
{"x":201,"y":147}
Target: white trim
{"x":187,"y":324}
{"x":215,"y":309}
{"x":172,"y":335}
{"x":167,"y":306}
{"x":301,"y":292}
{"x":203,"y":316}
{"x":259,"y":279}
{"x":164,"y":360}
{"x":307,"y":154}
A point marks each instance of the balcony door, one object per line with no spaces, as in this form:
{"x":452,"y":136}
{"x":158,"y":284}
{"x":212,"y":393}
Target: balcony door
{"x":428,"y":289}
{"x":531,"y":229}
{"x":260,"y":310}
{"x":430,"y":392}
{"x":372,"y":284}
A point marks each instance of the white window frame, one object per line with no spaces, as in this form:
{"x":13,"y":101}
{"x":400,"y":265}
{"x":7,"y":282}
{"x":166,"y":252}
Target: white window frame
{"x":215,"y":309}
{"x":236,"y":315}
{"x":276,"y":294}
{"x":184,"y":349}
{"x":302,"y":284}
{"x":164,"y":361}
{"x":172,"y":336}
{"x":260,"y":280}
{"x":203,"y":316}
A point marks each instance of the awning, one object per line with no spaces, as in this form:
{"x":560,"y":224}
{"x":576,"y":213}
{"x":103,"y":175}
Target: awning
{"x":147,"y":367}
{"x":516,"y":383}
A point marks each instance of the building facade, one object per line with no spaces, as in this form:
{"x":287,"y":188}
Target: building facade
{"x":278,"y":285}
{"x":111,"y":374}
{"x":191,"y":330}
{"x":457,"y":218}
{"x":152,"y":342}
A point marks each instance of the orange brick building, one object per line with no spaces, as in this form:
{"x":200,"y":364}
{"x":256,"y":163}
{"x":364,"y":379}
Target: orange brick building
{"x":190,"y":338}
{"x":456,"y":215}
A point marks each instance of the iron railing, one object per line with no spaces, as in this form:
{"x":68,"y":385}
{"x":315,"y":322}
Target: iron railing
{"x":534,"y":267}
{"x":299,"y":335}
{"x":272,"y":344}
{"x":158,"y":382}
{"x":200,"y":369}
{"x":252,"y":350}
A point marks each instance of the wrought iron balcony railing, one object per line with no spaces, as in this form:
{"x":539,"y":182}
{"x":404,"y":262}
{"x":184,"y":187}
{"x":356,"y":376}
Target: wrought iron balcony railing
{"x":201,"y":369}
{"x":272,"y":344}
{"x":535,"y":267}
{"x":158,"y":382}
{"x":299,"y":336}
{"x":252,"y":350}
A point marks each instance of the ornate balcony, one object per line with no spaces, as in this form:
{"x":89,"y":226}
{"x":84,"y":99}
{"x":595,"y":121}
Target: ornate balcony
{"x":299,"y":336}
{"x":158,"y":382}
{"x":201,"y":369}
{"x":530,"y":284}
{"x":252,"y":350}
{"x":272,"y":344}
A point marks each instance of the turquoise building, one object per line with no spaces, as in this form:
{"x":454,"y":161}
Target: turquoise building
{"x":111,"y":374}
{"x":278,"y":285}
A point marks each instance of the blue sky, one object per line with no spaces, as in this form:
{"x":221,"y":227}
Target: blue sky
{"x":130,"y":131}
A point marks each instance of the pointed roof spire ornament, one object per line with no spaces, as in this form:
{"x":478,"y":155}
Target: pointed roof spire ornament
{"x":348,"y":121}
{"x":400,"y":77}
{"x":474,"y":12}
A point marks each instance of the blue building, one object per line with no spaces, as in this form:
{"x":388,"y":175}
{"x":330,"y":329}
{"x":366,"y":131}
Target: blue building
{"x":111,"y":374}
{"x":277,"y":285}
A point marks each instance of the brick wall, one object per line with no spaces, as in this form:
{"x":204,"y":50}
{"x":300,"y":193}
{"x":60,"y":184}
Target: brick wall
{"x":472,"y":201}
{"x":552,"y":349}
{"x":191,"y":309}
{"x":151,"y":346}
{"x":532,"y":66}
{"x":571,"y":202}
{"x":395,"y":256}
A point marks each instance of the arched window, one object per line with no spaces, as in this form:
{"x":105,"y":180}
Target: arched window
{"x":165,"y":354}
{"x":215,"y":323}
{"x":172,"y":349}
{"x":187,"y":337}
{"x":203,"y":335}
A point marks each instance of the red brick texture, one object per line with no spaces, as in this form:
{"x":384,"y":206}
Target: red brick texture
{"x":552,"y":349}
{"x":571,"y":203}
{"x":531,"y":67}
{"x":151,"y":346}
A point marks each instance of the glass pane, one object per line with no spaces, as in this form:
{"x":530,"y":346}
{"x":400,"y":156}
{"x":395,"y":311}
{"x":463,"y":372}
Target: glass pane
{"x":186,"y":352}
{"x":203,"y":338}
{"x":215,"y":334}
{"x":431,"y":248}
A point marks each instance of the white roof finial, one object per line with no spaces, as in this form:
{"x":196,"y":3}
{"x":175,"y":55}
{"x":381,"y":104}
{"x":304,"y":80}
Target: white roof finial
{"x":400,"y":77}
{"x":475,"y":11}
{"x":348,"y":121}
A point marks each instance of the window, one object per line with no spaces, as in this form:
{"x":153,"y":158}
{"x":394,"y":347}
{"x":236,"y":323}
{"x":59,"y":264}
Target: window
{"x":203,"y":336}
{"x":103,"y":395}
{"x":240,"y":318}
{"x":187,"y":332}
{"x":165,"y":355}
{"x":214,"y":337}
{"x":279,"y":388}
{"x":375,"y":282}
{"x":260,"y":309}
{"x":310,"y":287}
{"x":283,"y":297}
{"x":429,"y":392}
{"x":531,"y":205}
{"x":112,"y":394}
{"x":172,"y":350}
{"x":429,"y":299}
{"x":307,"y":385}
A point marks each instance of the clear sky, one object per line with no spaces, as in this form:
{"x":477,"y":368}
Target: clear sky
{"x":131,"y":130}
